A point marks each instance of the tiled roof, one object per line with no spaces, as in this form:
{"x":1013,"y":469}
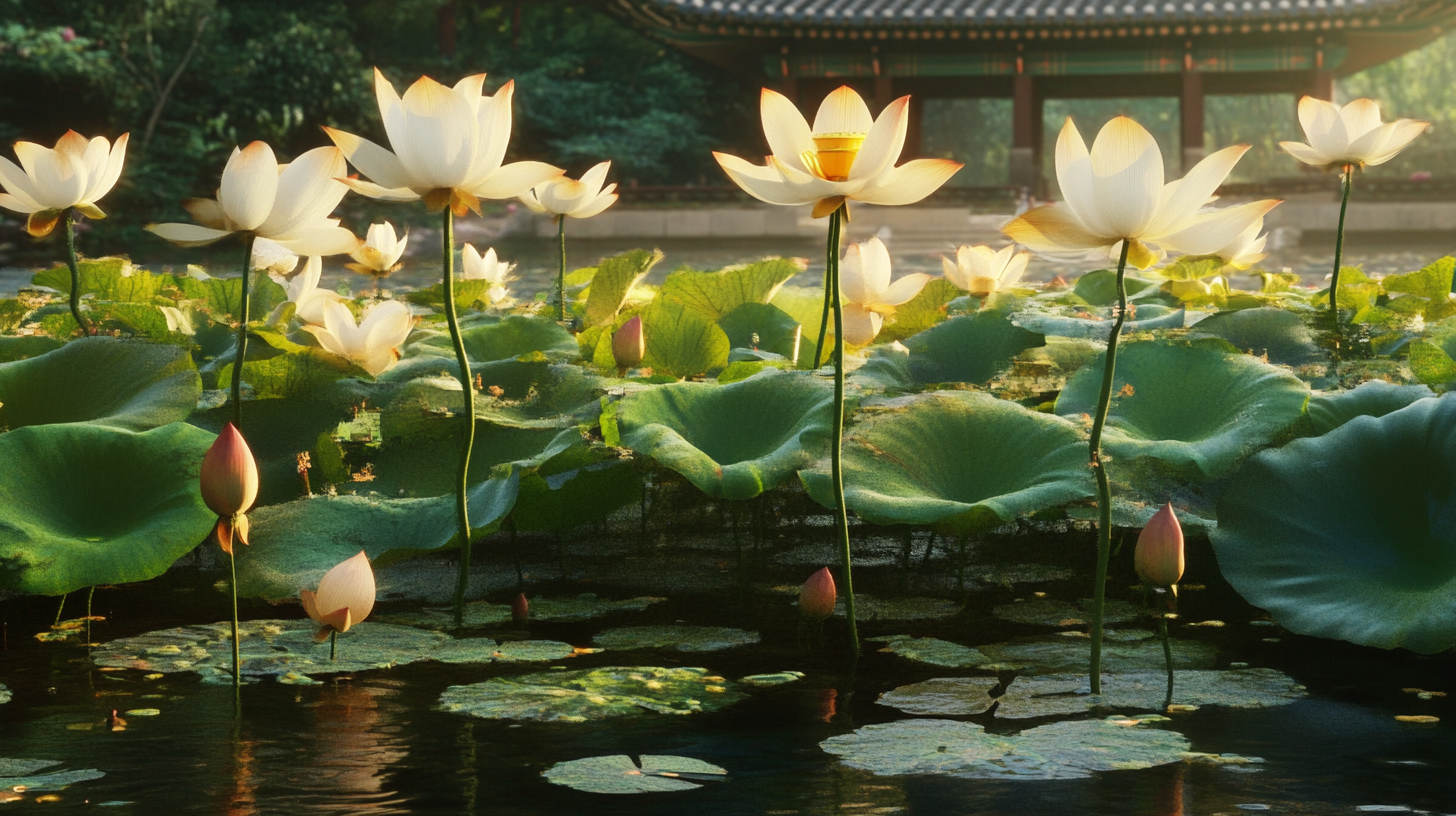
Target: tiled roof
{"x":879,"y":13}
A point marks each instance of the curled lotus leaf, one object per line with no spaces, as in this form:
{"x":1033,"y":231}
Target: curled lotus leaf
{"x":1191,"y":405}
{"x":593,"y":694}
{"x":962,"y":461}
{"x":731,"y":441}
{"x":131,"y":384}
{"x":97,"y":505}
{"x":1352,"y":535}
{"x":488,"y":339}
{"x":619,"y":774}
{"x":1278,"y":334}
{"x":1375,"y":398}
{"x":680,"y":637}
{"x":971,"y":348}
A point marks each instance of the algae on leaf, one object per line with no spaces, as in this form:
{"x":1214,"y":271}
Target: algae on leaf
{"x":618,"y":774}
{"x":593,"y":694}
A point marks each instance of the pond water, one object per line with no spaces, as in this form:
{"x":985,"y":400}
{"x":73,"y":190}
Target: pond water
{"x":378,"y":741}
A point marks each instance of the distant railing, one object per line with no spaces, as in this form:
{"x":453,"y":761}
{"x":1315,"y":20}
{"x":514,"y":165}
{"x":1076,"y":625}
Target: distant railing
{"x":1370,"y":189}
{"x":728,"y":194}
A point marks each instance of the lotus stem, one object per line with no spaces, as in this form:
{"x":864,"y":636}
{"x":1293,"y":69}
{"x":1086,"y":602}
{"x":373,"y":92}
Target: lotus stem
{"x":237,"y":390}
{"x":91,"y":593}
{"x":836,"y":451}
{"x":462,"y":509}
{"x":70,"y":219}
{"x":1346,"y":181}
{"x":561,"y":273}
{"x":334,"y":645}
{"x":233,"y":591}
{"x":1104,"y":489}
{"x":1167,"y":656}
{"x":831,"y":259}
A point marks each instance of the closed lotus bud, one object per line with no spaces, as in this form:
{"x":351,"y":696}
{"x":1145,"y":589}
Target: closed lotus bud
{"x":229,"y":474}
{"x":1159,"y":555}
{"x":629,"y":344}
{"x":817,"y":596}
{"x":345,"y":597}
{"x":520,"y":608}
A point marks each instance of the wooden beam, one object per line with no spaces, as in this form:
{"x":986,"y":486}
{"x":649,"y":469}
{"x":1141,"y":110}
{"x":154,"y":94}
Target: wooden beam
{"x":1026,"y":125}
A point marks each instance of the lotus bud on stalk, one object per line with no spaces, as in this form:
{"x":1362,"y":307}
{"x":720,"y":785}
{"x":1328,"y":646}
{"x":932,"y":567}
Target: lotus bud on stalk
{"x":520,"y":608}
{"x":982,"y":271}
{"x":230,"y":485}
{"x":1159,"y":554}
{"x":817,"y":596}
{"x":629,"y":344}
{"x":344,"y":598}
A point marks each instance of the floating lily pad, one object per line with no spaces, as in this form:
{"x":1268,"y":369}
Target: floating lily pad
{"x":1352,"y":535}
{"x":1053,"y":654}
{"x":932,"y":650}
{"x":128,"y":384}
{"x":1064,"y":694}
{"x":971,"y":348}
{"x":963,"y":461}
{"x":732,"y":441}
{"x":26,"y":774}
{"x":1066,"y":750}
{"x":1279,"y":334}
{"x":278,"y":368}
{"x":96,"y":505}
{"x":1048,"y":612}
{"x":681,"y":637}
{"x":593,"y":694}
{"x":619,"y":774}
{"x":770,"y":680}
{"x":874,"y":608}
{"x":283,"y":647}
{"x":1375,"y":398}
{"x":480,"y":613}
{"x":1191,"y":405}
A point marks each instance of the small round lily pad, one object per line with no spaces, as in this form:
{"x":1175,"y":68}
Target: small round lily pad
{"x":619,"y":774}
{"x":871,"y":608}
{"x":27,"y":774}
{"x":1052,"y":654}
{"x":4,"y":694}
{"x":683,"y":638}
{"x":593,"y":694}
{"x":480,"y":613}
{"x":934,"y":651}
{"x":775,"y":679}
{"x":1047,"y":612}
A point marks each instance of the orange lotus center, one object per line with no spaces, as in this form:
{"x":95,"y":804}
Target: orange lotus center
{"x":833,"y":155}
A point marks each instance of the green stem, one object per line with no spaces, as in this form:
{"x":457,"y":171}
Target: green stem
{"x":70,"y":219}
{"x":462,"y":509}
{"x":62,"y":608}
{"x":89,"y":595}
{"x":1167,"y":656}
{"x":561,"y":273}
{"x":836,"y":458}
{"x":237,"y":391}
{"x":233,"y":591}
{"x":1104,"y":489}
{"x":831,"y":257}
{"x":334,"y":645}
{"x":1347,"y":180}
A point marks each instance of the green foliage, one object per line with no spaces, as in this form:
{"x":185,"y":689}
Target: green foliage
{"x":1429,"y":288}
{"x":613,"y":282}
{"x":1280,"y":335}
{"x":766,"y":327}
{"x":577,"y":486}
{"x":118,"y":383}
{"x":1100,"y":288}
{"x":923,"y":311}
{"x":680,"y":341}
{"x":715,"y":295}
{"x":1375,"y":398}
{"x":592,"y":694}
{"x":971,"y":348}
{"x":278,"y":368}
{"x":1089,"y":328}
{"x":488,"y":339}
{"x":619,"y":774}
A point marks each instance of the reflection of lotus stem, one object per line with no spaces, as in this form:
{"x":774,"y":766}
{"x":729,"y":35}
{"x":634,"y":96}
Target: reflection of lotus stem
{"x":561,"y":273}
{"x":836,"y":453}
{"x":1347,"y":179}
{"x":237,"y":392}
{"x":233,"y":590}
{"x":334,"y":645}
{"x":462,"y":509}
{"x":1104,"y":490}
{"x":62,"y":608}
{"x":1167,"y":656}
{"x":70,"y":218}
{"x":91,"y":593}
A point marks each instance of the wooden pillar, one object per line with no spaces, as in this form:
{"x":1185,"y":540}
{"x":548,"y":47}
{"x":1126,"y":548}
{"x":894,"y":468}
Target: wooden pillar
{"x":884,"y":93}
{"x":915,"y":130}
{"x":1322,"y":85}
{"x":1026,"y":126}
{"x":1190,"y":110}
{"x":788,"y":83}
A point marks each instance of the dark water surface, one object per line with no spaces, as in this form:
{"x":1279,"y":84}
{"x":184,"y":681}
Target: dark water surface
{"x":376,"y":742}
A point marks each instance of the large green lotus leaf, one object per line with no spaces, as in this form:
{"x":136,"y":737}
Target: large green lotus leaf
{"x":1375,"y":398}
{"x":960,"y":460}
{"x":1352,"y":535}
{"x":119,"y":383}
{"x":619,"y":774}
{"x":489,"y":338}
{"x":577,"y":486}
{"x":29,"y":775}
{"x":612,"y":282}
{"x":223,"y":297}
{"x":1428,"y":290}
{"x":805,"y":304}
{"x":1099,"y":288}
{"x":1064,"y":750}
{"x":21,"y":348}
{"x":112,"y":278}
{"x":765,"y":327}
{"x":1433,"y":360}
{"x":83,"y":504}
{"x":1279,"y":334}
{"x":294,"y":544}
{"x":716,"y":294}
{"x":680,"y":341}
{"x":972,"y":348}
{"x":532,"y":394}
{"x":1098,"y":329}
{"x":593,"y":694}
{"x":926,"y":309}
{"x":732,"y":441}
{"x":1189,"y":404}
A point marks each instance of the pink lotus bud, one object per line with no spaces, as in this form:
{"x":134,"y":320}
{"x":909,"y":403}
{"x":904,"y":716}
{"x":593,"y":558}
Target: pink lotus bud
{"x":629,"y":344}
{"x":345,"y":597}
{"x":1159,"y":554}
{"x":229,"y":474}
{"x":68,"y":34}
{"x":816,"y":596}
{"x":520,"y":608}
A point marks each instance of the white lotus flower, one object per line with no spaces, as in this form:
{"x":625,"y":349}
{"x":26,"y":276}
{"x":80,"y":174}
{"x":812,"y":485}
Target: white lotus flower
{"x":177,"y":320}
{"x":486,"y":267}
{"x":288,"y":204}
{"x":374,"y":343}
{"x":1116,"y":192}
{"x":575,"y":199}
{"x":448,"y":146}
{"x":381,"y":251}
{"x":345,"y":597}
{"x":76,"y":173}
{"x":864,"y":280}
{"x":981,"y":270}
{"x":273,"y":257}
{"x":847,"y":155}
{"x":1246,"y":249}
{"x":304,"y":293}
{"x":1352,"y":135}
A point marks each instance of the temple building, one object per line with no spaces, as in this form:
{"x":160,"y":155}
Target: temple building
{"x":1032,"y":51}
